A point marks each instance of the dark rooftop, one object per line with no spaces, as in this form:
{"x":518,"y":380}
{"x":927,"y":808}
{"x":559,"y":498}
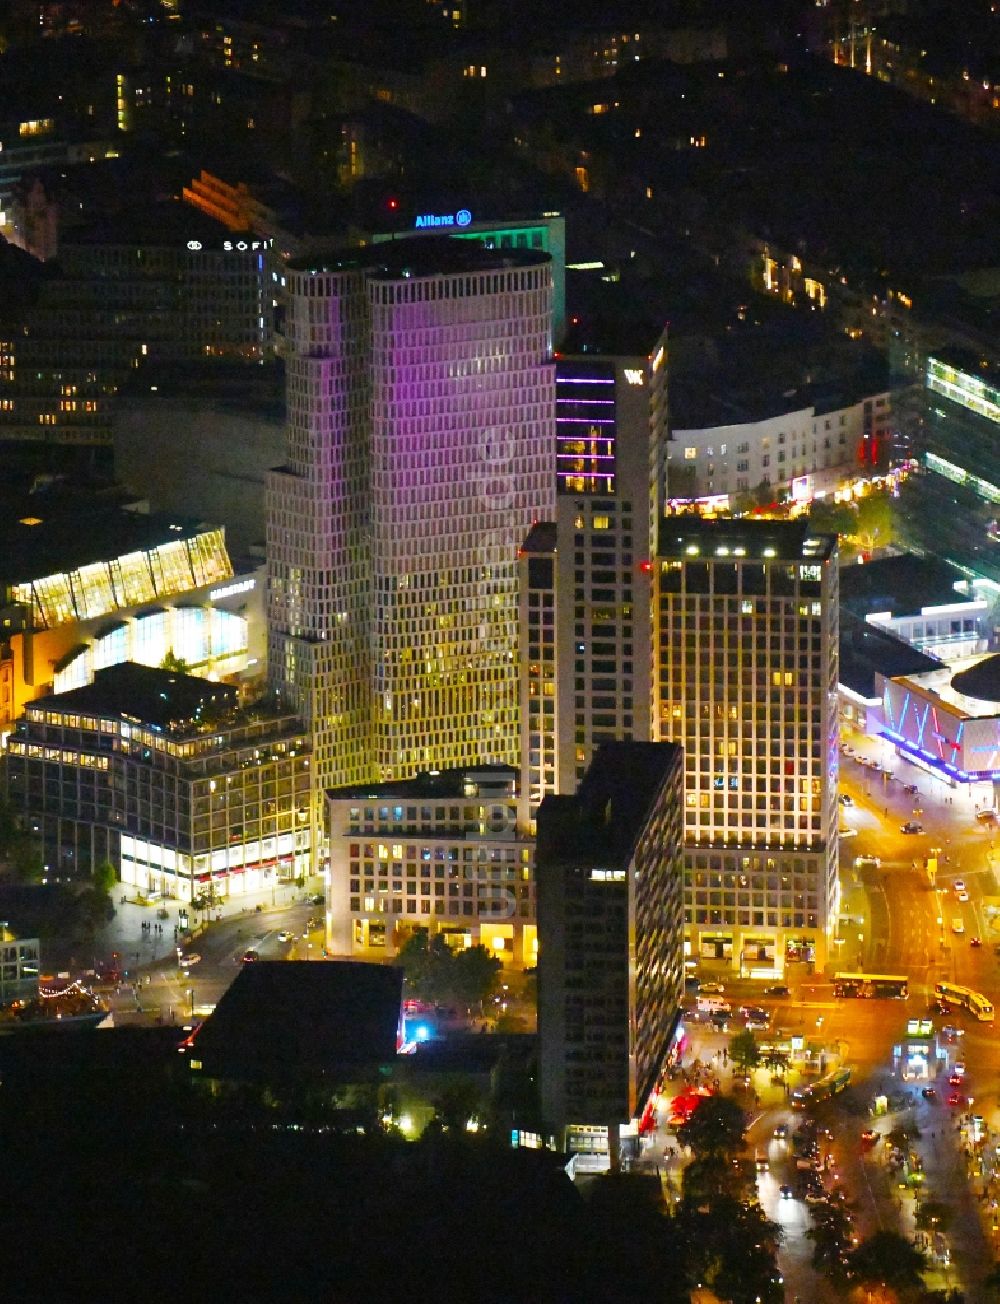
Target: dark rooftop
{"x":283,"y":1018}
{"x":541,"y":538}
{"x":789,"y":540}
{"x":417,"y":256}
{"x":899,"y":585}
{"x":602,"y":821}
{"x":430,"y":783}
{"x":981,"y":680}
{"x":867,"y":650}
{"x":161,"y":698}
{"x":57,"y":530}
{"x":166,"y":223}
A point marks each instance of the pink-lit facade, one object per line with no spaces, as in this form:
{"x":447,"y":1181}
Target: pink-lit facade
{"x":421,"y":419}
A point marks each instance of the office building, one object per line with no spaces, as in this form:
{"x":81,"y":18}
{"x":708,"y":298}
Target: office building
{"x":584,"y":592}
{"x":745,"y":616}
{"x":420,"y":394}
{"x":544,"y":234}
{"x":952,"y":510}
{"x":164,"y":775}
{"x":610,"y":927}
{"x":445,"y":851}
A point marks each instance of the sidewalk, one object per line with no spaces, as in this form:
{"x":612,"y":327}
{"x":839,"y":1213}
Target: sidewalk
{"x":140,"y":947}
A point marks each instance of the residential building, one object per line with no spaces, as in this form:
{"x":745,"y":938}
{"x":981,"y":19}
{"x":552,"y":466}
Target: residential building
{"x":610,"y":925}
{"x":163,"y":774}
{"x":800,"y":445}
{"x":420,"y":393}
{"x":446,"y":851}
{"x":745,"y":616}
{"x":584,"y":591}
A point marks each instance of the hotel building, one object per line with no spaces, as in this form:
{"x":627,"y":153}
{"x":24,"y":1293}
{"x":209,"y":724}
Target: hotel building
{"x":444,"y":851}
{"x":165,"y":776}
{"x":584,"y":593}
{"x":421,"y":402}
{"x":745,"y":617}
{"x":610,"y":926}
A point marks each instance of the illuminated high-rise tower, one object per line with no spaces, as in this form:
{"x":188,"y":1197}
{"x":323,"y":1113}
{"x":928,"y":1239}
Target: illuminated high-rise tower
{"x":421,"y":406}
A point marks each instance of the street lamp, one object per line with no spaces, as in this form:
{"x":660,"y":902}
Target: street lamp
{"x":190,"y":993}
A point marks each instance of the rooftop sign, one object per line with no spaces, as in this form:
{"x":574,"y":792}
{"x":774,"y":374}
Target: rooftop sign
{"x":462,"y":218}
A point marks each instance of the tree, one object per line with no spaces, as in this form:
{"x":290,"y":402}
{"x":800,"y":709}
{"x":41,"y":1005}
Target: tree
{"x":473,"y":975}
{"x":716,"y":1127}
{"x":715,"y":1177}
{"x":829,"y":517}
{"x":175,"y":663}
{"x":775,"y":1060}
{"x":425,"y":962}
{"x":104,"y":876}
{"x":934,"y":1216}
{"x":731,"y":1247}
{"x":744,"y":1051}
{"x":874,"y":527}
{"x":26,"y":857}
{"x":888,"y":1259}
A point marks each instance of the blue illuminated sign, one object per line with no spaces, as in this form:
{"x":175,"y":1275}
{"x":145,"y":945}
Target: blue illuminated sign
{"x":462,"y":218}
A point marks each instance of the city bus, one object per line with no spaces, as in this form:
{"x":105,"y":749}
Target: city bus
{"x":871,"y":986}
{"x":974,"y":1002}
{"x":832,"y":1085}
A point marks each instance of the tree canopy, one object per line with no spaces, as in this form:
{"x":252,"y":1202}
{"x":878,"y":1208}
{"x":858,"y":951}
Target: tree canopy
{"x":716,"y":1127}
{"x":889,"y":1259}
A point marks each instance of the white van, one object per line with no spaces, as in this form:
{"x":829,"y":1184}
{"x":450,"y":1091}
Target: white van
{"x":958,"y":926}
{"x":714,"y":1005}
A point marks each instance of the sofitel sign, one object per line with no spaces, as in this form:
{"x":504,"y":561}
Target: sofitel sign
{"x":462,"y":218}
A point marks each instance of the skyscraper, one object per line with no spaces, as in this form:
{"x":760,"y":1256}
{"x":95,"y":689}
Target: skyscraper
{"x":745,"y":627}
{"x":610,"y":932}
{"x":585,"y":576}
{"x":421,"y":403}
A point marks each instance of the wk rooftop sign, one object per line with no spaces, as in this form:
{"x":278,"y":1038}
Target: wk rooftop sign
{"x":462,"y":218}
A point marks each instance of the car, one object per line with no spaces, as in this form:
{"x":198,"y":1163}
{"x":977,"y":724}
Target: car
{"x":986,"y":816}
{"x":928,"y":1093}
{"x":911,"y":789}
{"x":938,"y":1007}
{"x":787,"y":1193}
{"x":869,"y":1136}
{"x":317,"y":899}
{"x":959,"y":885}
{"x":285,"y":935}
{"x":956,"y":1099}
{"x":951,"y":1033}
{"x":848,"y":833}
{"x":958,"y":926}
{"x":691,"y":983}
{"x":975,"y":941}
{"x":249,"y":957}
{"x":962,"y":896}
{"x":960,"y":1068}
{"x":918,"y":810}
{"x":867,"y":862}
{"x":712,"y":989}
{"x":816,"y":1195}
{"x":186,"y":961}
{"x":846,"y":799}
{"x":761,"y":1163}
{"x":911,"y":827}
{"x":780,"y":1132}
{"x":720,"y":1020}
{"x":955,"y":1079}
{"x":779,"y":989}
